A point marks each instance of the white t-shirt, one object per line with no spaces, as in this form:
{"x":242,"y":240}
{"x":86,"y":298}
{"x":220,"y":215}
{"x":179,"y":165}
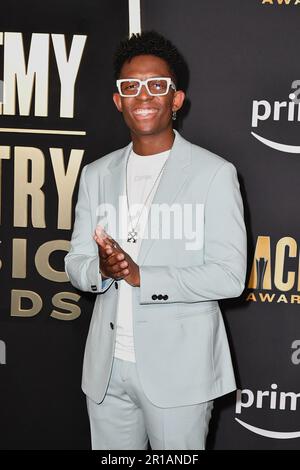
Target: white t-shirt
{"x":142,"y":171}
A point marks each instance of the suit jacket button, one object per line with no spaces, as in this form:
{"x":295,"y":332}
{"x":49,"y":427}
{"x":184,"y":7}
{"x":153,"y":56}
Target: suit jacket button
{"x":94,"y":287}
{"x":160,"y":297}
{"x":111,"y":325}
{"x":165,"y":297}
{"x":116,"y":285}
{"x":154,"y":297}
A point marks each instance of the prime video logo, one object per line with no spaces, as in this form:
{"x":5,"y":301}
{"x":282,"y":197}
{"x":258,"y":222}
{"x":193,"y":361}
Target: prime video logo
{"x":271,"y":399}
{"x":2,"y":352}
{"x":262,"y":110}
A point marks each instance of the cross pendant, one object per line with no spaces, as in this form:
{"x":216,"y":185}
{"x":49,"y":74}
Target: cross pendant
{"x":132,"y":236}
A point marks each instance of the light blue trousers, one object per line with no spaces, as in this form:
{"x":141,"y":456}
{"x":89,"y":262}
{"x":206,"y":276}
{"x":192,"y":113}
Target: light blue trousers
{"x":126,"y":419}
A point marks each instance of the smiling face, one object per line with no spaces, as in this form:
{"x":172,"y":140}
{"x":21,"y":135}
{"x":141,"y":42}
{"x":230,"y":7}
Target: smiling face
{"x":146,"y":114}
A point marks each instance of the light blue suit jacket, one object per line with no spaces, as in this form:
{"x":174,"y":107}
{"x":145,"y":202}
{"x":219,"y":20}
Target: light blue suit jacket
{"x":180,"y":341}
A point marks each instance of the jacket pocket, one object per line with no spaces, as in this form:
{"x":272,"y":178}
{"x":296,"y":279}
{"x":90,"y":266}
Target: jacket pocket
{"x":196,"y":310}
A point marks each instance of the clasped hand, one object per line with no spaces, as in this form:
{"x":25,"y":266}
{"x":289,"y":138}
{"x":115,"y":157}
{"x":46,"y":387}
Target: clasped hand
{"x":114,"y":261}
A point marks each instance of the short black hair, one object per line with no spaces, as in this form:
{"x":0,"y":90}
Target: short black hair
{"x":152,"y":43}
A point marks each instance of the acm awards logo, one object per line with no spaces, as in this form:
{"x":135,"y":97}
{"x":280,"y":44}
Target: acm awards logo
{"x":27,"y":89}
{"x":280,"y":2}
{"x":275,"y":273}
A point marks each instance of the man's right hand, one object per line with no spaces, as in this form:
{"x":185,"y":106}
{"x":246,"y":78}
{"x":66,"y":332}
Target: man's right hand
{"x":112,"y":261}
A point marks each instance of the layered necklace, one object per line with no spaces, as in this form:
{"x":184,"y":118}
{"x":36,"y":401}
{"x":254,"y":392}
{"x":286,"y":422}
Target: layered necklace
{"x":133,"y":232}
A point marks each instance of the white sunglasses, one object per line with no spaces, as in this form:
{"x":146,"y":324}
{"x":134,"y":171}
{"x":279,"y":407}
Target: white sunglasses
{"x":155,"y":86}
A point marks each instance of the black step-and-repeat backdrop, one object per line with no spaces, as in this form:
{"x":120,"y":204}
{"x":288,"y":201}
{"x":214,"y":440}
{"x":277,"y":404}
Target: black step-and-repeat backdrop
{"x":57,"y":115}
{"x":244,"y":85}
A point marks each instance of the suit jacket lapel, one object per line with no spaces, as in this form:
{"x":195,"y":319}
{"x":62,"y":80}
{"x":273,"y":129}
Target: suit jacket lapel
{"x":174,"y":177}
{"x":113,"y":185}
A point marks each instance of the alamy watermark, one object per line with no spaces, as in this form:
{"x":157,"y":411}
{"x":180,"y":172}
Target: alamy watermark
{"x":2,"y":352}
{"x":295,"y":357}
{"x":176,"y":221}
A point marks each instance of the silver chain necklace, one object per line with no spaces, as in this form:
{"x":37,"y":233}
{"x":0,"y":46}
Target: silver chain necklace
{"x":133,"y":234}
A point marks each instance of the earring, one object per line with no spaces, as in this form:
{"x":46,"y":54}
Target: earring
{"x":174,"y":115}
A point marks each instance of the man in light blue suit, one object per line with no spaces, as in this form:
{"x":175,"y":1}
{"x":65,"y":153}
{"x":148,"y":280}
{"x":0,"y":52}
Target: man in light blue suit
{"x":157,"y":353}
